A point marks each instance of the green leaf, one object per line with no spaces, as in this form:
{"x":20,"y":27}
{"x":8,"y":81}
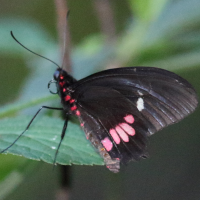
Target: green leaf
{"x":177,"y":17}
{"x":41,"y":141}
{"x":177,"y":62}
{"x":147,"y":10}
{"x":13,"y":180}
{"x":170,"y":36}
{"x":11,"y":109}
{"x":13,"y":171}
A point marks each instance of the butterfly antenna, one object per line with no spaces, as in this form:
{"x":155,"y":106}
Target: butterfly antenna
{"x":32,"y":51}
{"x":65,"y":38}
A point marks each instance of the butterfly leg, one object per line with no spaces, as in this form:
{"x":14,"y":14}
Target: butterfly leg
{"x":47,"y":107}
{"x":62,"y":137}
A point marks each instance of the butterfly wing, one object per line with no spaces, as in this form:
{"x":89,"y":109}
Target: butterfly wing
{"x":113,"y":123}
{"x":121,"y":107}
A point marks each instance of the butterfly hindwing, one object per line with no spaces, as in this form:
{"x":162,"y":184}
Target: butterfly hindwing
{"x":113,"y":118}
{"x":94,"y":132}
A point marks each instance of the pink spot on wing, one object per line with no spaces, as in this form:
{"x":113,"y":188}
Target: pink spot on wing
{"x":73,"y":108}
{"x":61,"y":77}
{"x":78,"y":113}
{"x":115,"y":136}
{"x":129,"y":118}
{"x":72,"y":101}
{"x":130,"y":130}
{"x":64,"y":90}
{"x":107,"y":144}
{"x":67,"y":98}
{"x":122,"y":134}
{"x":82,"y":124}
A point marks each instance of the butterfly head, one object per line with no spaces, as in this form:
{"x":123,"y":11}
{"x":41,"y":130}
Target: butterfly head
{"x":59,"y":74}
{"x":62,"y":80}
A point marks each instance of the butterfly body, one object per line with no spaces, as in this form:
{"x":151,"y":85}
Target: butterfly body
{"x":119,"y":109}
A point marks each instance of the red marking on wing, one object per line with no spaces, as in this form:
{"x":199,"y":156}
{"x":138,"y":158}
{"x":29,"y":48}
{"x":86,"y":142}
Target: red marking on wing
{"x":61,"y":77}
{"x":67,"y":98}
{"x":115,"y":136}
{"x":73,"y":108}
{"x":129,"y":118}
{"x":82,"y":124}
{"x":122,"y":134}
{"x":78,"y":113}
{"x":72,"y":101}
{"x":64,"y":90}
{"x":130,"y":130}
{"x":107,"y":144}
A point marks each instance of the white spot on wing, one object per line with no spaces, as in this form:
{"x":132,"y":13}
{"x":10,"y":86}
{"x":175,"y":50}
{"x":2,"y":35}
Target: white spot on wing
{"x":53,"y":147}
{"x":140,"y":104}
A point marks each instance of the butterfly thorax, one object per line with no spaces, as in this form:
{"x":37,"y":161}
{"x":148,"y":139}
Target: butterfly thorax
{"x":63,"y":83}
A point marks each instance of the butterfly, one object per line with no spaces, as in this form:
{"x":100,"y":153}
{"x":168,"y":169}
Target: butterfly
{"x":120,"y":108}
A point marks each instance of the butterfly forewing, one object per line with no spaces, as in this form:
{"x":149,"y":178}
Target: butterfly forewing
{"x":167,"y":98}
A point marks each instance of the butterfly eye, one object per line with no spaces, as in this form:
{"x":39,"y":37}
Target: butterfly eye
{"x":49,"y":84}
{"x":56,"y":75}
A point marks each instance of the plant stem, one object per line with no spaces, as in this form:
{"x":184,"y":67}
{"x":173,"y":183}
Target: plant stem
{"x":105,"y":15}
{"x":62,"y":27}
{"x":65,"y":177}
{"x":63,"y":33}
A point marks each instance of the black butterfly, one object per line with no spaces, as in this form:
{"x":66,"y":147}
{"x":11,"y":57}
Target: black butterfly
{"x":120,"y":108}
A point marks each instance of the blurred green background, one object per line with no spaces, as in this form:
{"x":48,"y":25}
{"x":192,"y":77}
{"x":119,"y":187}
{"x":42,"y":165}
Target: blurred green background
{"x":159,"y":33}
